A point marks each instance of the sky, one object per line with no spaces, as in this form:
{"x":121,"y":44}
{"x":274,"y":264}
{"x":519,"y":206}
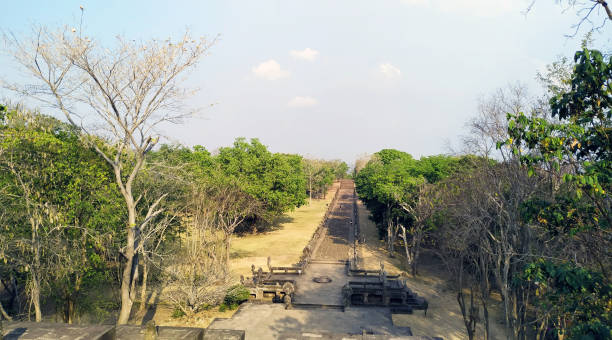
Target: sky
{"x":332,"y":79}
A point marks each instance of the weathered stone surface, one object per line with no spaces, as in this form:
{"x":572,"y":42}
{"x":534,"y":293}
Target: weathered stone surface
{"x":270,"y":320}
{"x":130,"y":332}
{"x":44,"y":330}
{"x":223,"y":334}
{"x":339,"y":336}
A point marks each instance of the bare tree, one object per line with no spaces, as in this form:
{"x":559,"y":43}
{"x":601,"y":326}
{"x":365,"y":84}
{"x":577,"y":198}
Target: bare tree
{"x":584,"y":10}
{"x":454,"y":242}
{"x":232,"y":207}
{"x":490,"y":125}
{"x":127,"y":91}
{"x":421,"y":210}
{"x":361,"y":162}
{"x":196,"y":276}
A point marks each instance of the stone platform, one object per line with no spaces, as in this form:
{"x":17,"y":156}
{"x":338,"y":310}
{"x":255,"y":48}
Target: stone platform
{"x":48,"y":331}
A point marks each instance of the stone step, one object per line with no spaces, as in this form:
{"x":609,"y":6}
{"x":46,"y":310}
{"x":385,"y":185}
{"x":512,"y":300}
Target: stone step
{"x":317,"y":306}
{"x":338,"y":262}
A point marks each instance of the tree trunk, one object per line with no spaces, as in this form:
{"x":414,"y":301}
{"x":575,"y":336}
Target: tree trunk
{"x":143,"y":287}
{"x":414,"y":260}
{"x":126,"y":278}
{"x":389,"y":231}
{"x":467,"y":314}
{"x":35,"y":292}
{"x":228,"y":244}
{"x":69,"y":311}
{"x":484,"y":292}
{"x":309,"y":191}
{"x":406,"y":248}
{"x":4,"y":313}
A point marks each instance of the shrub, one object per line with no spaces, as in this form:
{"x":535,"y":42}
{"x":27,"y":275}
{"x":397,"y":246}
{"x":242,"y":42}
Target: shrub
{"x":236,"y":295}
{"x":177,"y":313}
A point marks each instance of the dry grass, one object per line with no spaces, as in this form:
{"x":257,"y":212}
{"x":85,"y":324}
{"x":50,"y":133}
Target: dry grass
{"x":285,"y":244}
{"x":444,"y":316}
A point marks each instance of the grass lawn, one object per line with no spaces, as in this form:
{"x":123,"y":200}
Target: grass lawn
{"x":285,"y":244}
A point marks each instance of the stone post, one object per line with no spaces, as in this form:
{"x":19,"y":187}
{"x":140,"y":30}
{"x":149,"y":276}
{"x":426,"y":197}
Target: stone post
{"x":287,"y":301}
{"x":150,"y":331}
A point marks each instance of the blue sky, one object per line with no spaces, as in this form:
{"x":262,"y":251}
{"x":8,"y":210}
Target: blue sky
{"x":333,"y":79}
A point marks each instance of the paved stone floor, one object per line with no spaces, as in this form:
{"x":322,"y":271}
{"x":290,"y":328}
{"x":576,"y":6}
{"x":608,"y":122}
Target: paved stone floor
{"x":311,"y":292}
{"x":33,"y":330}
{"x":268,"y":321}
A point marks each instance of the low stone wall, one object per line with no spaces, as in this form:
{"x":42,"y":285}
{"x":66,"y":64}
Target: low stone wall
{"x":335,"y":336}
{"x":47,"y":330}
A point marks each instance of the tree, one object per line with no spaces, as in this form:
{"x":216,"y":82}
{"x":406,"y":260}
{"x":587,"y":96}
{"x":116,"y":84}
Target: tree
{"x":578,"y":210}
{"x":276,"y":180}
{"x":421,"y":209}
{"x":196,"y":276}
{"x":340,"y":168}
{"x":128,"y":89}
{"x":231,"y":207}
{"x":574,"y":300}
{"x":64,"y":192}
{"x":320,"y":175}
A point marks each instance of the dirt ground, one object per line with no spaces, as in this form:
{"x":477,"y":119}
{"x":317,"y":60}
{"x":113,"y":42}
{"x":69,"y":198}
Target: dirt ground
{"x":444,"y":316}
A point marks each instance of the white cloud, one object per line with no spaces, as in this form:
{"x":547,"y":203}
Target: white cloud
{"x":389,"y":70}
{"x":307,"y":54}
{"x":270,"y":70}
{"x":302,"y":102}
{"x":473,"y":7}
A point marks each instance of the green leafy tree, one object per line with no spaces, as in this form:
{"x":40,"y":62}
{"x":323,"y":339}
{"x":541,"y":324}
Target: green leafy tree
{"x":576,"y":143}
{"x":60,"y":205}
{"x":276,"y":180}
{"x":575,"y":301}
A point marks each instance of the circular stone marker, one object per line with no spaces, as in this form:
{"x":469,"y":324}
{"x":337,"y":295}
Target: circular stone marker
{"x":322,"y":279}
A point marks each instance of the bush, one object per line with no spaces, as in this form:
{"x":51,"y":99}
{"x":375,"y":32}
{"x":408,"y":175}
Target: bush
{"x":177,"y":313}
{"x":236,"y":295}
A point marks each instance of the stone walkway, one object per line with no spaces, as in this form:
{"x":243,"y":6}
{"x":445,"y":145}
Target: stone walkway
{"x":269,"y":321}
{"x":336,"y":245}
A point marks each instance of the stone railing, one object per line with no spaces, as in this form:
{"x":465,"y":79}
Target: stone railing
{"x":356,"y":231}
